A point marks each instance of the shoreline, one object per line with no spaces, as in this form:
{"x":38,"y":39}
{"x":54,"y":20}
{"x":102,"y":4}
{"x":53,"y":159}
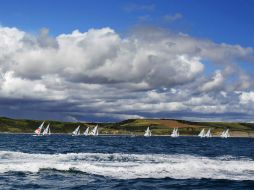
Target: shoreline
{"x":128,"y":135}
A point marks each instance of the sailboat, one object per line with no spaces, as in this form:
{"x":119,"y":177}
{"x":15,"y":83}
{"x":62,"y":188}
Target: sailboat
{"x":86,"y":133}
{"x":76,"y":132}
{"x":95,"y":131}
{"x":202,"y":133}
{"x":208,"y":134}
{"x":225,"y":134}
{"x":39,"y":130}
{"x":148,"y":132}
{"x":47,"y":131}
{"x":175,"y":133}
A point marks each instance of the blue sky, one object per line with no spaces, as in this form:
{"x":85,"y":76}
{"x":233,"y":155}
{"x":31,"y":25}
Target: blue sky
{"x":111,"y":60}
{"x":221,"y":21}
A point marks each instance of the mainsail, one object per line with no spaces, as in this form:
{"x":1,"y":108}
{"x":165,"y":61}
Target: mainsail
{"x":76,"y":131}
{"x":49,"y":132}
{"x":46,"y":131}
{"x":39,"y":129}
{"x":202,"y":133}
{"x":94,"y":132}
{"x":148,"y":132}
{"x":86,"y":133}
{"x":175,"y":133}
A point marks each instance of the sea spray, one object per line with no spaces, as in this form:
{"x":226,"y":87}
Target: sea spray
{"x":132,"y":166}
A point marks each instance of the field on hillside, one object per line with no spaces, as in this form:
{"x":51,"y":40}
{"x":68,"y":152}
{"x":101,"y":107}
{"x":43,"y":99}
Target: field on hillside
{"x":129,"y":127}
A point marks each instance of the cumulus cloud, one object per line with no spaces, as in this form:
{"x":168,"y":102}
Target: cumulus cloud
{"x":215,"y":83}
{"x":247,"y":98}
{"x":98,"y":73}
{"x":101,"y":56}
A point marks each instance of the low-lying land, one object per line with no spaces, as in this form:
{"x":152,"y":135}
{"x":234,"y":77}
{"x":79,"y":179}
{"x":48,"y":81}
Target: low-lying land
{"x":131,"y":127}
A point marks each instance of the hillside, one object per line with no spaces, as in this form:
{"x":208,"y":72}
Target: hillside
{"x":131,"y":126}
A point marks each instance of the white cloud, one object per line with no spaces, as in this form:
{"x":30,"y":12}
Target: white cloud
{"x":215,"y":83}
{"x":201,"y":100}
{"x":101,"y":56}
{"x":246,"y":97}
{"x":151,"y":71}
{"x":16,"y":87}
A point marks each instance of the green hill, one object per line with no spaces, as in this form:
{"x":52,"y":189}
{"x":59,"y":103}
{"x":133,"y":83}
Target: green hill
{"x":131,"y":126}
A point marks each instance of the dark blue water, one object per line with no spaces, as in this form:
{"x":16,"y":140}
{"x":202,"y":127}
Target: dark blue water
{"x":66,"y":162}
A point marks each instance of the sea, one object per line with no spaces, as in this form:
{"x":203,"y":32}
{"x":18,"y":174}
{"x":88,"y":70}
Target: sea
{"x":124,"y":162}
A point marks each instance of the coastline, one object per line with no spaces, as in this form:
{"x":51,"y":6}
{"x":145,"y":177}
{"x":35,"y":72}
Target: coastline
{"x":130,"y":127}
{"x":128,"y":135}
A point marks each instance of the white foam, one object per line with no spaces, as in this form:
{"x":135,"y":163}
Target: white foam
{"x":131,"y":166}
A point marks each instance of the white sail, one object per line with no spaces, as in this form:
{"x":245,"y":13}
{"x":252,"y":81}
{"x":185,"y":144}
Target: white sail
{"x":202,"y":133}
{"x":148,"y":132}
{"x":39,"y":129}
{"x":175,"y":133}
{"x":225,"y":134}
{"x":49,"y":132}
{"x":208,"y":134}
{"x":86,"y":133}
{"x":46,"y":131}
{"x":76,"y":131}
{"x":94,"y":132}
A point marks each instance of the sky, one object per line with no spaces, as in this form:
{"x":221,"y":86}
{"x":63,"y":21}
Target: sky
{"x":104,"y":61}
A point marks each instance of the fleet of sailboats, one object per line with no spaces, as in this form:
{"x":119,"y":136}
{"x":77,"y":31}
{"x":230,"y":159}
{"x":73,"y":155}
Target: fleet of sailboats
{"x":208,"y":134}
{"x":40,"y":131}
{"x":148,"y":132}
{"x":203,"y":133}
{"x":94,"y":132}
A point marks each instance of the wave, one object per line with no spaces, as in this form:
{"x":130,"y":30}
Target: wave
{"x":131,"y":166}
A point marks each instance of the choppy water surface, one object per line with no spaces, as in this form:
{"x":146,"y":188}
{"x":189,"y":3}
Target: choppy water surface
{"x":109,"y":162}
